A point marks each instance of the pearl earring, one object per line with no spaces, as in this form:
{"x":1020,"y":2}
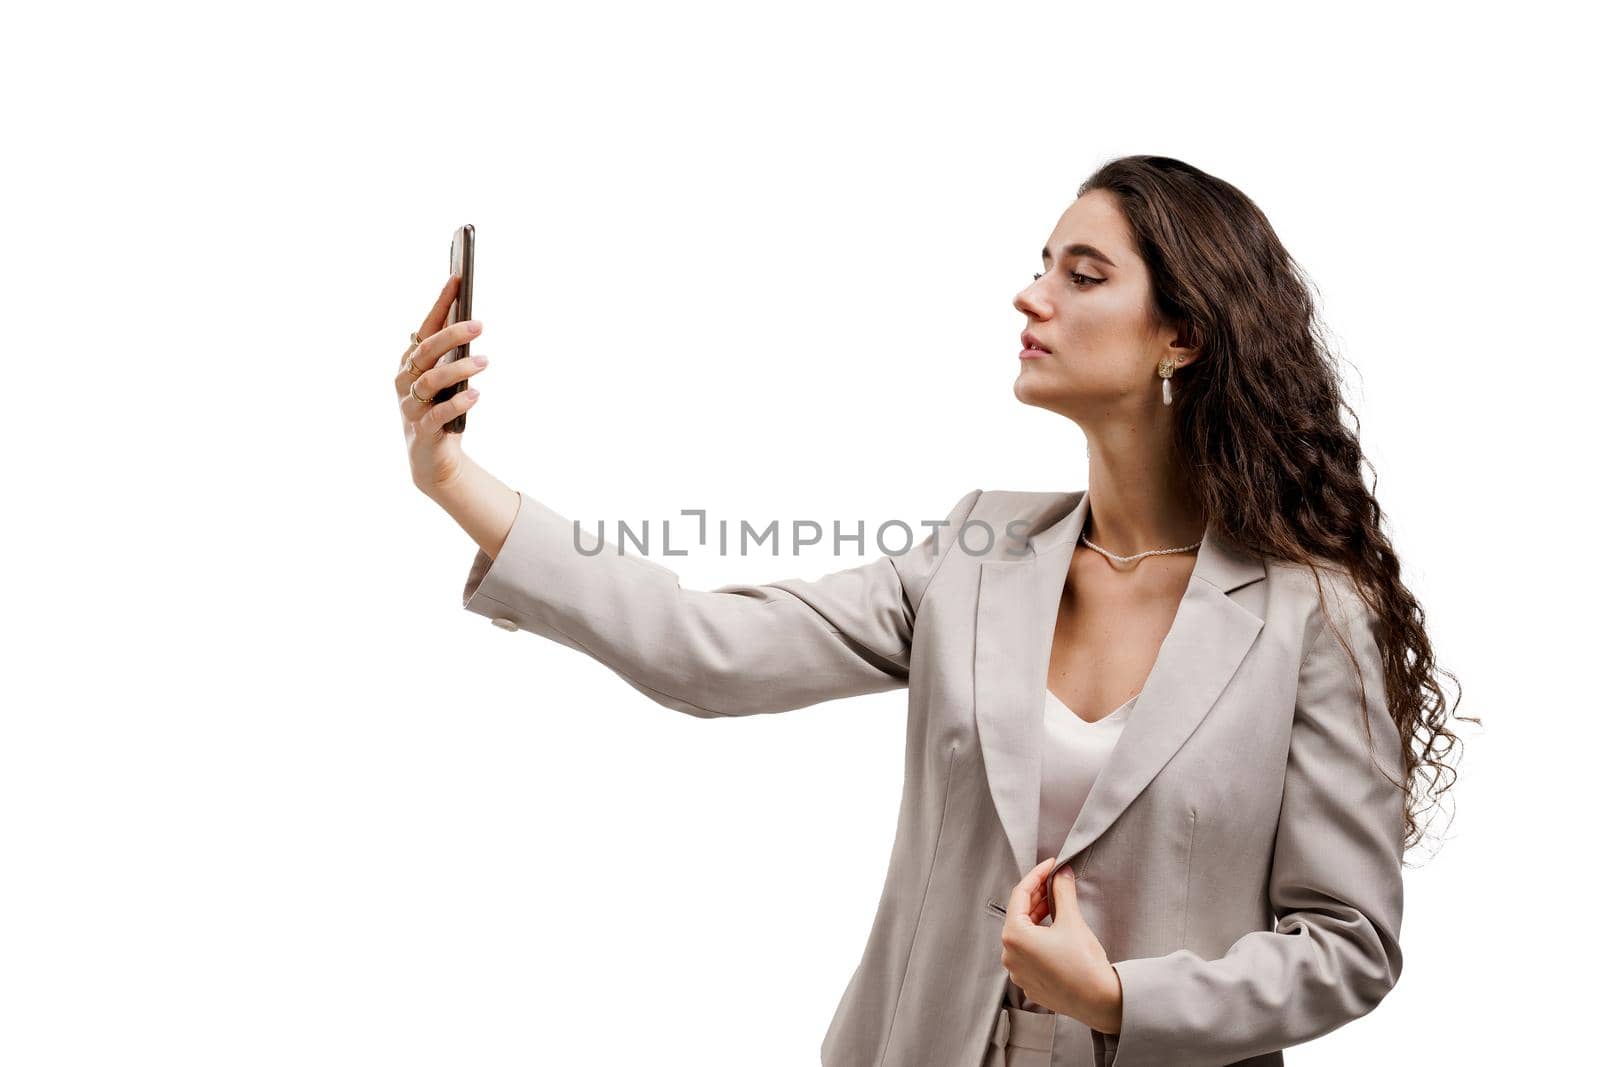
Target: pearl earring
{"x":1165,"y":370}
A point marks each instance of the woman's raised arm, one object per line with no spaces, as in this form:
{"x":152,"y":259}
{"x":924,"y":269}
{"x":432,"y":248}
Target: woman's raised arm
{"x":735,"y":650}
{"x":739,"y":649}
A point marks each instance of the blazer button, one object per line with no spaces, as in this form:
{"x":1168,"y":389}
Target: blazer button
{"x":505,"y":624}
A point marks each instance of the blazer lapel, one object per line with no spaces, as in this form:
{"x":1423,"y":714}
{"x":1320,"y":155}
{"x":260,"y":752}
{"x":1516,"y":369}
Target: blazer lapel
{"x":1016,"y":615}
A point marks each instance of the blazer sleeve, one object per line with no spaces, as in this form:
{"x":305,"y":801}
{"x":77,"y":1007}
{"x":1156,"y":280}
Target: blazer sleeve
{"x":1335,"y":887}
{"x":738,"y":649}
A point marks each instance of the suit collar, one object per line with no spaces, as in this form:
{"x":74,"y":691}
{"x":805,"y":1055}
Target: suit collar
{"x":1018,"y":600}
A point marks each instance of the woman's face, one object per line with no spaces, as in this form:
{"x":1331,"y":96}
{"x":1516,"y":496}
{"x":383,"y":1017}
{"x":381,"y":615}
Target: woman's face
{"x":1091,"y":307}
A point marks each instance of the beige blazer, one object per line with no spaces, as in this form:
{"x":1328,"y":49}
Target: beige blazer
{"x":1239,"y":856}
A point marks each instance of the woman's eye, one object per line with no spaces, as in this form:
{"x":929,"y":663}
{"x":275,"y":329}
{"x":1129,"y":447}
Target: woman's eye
{"x":1077,"y":279}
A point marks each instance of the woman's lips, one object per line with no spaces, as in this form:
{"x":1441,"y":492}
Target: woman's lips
{"x":1032,"y":353}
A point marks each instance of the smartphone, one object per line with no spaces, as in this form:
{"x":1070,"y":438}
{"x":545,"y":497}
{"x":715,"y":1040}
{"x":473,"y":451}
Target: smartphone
{"x":462,"y":247}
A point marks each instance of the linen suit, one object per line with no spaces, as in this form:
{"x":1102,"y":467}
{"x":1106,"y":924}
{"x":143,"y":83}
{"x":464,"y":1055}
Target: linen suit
{"x":1239,"y":855}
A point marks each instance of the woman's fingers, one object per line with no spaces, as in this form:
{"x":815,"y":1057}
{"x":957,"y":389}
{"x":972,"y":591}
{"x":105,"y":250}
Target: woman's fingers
{"x":433,"y":380}
{"x":438,"y":414}
{"x":437,"y":378}
{"x":434,"y":320}
{"x":441,"y":307}
{"x":435,"y":345}
{"x":1026,"y":892}
{"x":429,"y":352}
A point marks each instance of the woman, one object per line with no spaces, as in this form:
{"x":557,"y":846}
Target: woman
{"x":1159,"y":743}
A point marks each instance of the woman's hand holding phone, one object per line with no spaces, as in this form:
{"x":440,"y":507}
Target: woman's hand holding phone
{"x":436,"y":457}
{"x":480,"y":503}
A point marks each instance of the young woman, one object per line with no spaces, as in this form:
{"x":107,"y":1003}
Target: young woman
{"x":1162,"y":732}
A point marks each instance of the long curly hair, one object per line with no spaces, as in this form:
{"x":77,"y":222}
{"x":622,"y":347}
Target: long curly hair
{"x":1258,"y":431}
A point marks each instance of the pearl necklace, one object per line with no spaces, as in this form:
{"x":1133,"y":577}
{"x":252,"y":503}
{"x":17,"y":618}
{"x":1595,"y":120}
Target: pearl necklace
{"x":1139,"y":556}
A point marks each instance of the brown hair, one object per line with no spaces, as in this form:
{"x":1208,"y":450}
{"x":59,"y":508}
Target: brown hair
{"x":1258,"y":430}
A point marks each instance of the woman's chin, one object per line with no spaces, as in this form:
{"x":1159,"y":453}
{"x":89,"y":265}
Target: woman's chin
{"x":1034,"y":389}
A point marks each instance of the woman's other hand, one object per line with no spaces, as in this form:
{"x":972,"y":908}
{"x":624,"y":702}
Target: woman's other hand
{"x":1062,"y":966}
{"x":436,"y":456}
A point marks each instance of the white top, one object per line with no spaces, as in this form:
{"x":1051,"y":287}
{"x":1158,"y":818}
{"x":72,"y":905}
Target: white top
{"x":1074,"y":753}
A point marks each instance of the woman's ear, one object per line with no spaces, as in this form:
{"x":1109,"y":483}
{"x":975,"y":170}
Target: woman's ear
{"x":1184,"y":344}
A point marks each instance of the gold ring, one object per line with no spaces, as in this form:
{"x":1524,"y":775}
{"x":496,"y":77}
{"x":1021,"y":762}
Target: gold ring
{"x":410,"y":367}
{"x":419,"y":399}
{"x":415,"y":339}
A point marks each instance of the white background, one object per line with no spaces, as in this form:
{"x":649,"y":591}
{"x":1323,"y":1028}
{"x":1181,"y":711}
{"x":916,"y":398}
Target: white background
{"x":268,"y":795}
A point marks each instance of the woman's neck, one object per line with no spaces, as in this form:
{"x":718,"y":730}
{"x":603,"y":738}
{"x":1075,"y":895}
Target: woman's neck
{"x":1137,"y":503}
